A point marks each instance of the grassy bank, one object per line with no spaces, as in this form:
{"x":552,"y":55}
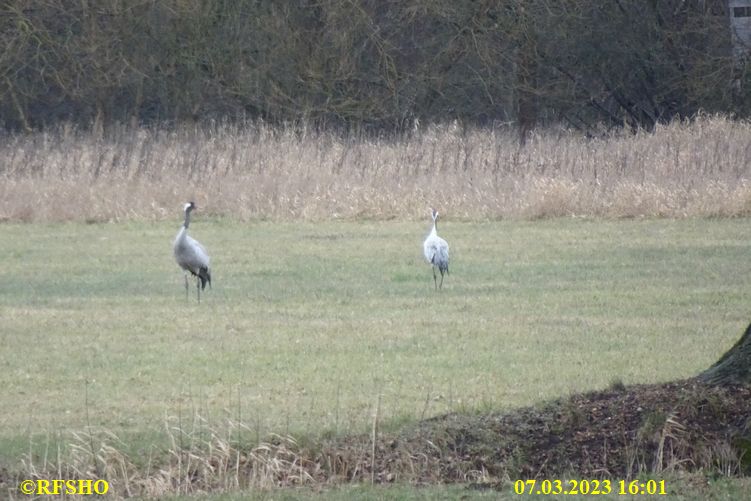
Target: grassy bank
{"x":682,"y":488}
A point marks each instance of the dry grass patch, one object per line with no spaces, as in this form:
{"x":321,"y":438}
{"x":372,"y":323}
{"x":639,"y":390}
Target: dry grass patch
{"x":698,"y":168}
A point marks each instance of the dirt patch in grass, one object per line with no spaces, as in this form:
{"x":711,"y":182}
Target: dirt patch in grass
{"x":616,"y":433}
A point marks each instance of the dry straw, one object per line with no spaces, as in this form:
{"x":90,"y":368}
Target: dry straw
{"x":684,"y":169}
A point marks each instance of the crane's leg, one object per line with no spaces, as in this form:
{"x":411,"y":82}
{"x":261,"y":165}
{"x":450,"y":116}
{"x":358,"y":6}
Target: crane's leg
{"x":186,"y":286}
{"x":435,"y":279}
{"x":441,"y":286}
{"x":198,"y":288}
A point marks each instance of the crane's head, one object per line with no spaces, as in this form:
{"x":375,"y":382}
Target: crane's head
{"x":189,"y":206}
{"x":434,"y":213}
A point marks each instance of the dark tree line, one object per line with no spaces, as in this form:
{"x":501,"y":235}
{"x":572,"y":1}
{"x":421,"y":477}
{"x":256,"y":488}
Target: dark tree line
{"x":367,"y":63}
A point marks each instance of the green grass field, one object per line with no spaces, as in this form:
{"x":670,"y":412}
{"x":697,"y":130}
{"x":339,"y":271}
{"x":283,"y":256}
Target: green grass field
{"x":307,"y":324}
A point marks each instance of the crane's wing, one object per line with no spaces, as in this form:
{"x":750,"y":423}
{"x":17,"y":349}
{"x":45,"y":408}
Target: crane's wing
{"x":201,"y":250}
{"x":437,"y":252}
{"x":192,"y":256}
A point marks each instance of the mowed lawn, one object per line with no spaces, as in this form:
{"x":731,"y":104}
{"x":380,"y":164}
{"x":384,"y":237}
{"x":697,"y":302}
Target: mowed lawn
{"x":308,"y":323}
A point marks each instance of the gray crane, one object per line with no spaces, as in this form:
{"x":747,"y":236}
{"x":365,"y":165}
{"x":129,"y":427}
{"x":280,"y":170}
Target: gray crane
{"x":191,"y":256}
{"x":436,"y":251}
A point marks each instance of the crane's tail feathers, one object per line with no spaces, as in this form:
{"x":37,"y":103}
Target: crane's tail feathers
{"x":442,"y":265}
{"x":205,"y":277}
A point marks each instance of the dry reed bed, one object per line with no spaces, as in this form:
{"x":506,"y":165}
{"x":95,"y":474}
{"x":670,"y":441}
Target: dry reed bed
{"x":684,"y":169}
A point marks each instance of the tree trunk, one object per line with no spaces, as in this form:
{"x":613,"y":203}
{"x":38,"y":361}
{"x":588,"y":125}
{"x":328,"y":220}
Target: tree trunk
{"x":526,"y":82}
{"x":734,"y":366}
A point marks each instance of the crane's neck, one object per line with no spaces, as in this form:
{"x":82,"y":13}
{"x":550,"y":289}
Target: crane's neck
{"x":187,"y":219}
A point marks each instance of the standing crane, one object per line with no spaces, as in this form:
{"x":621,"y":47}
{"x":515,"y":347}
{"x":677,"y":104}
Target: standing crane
{"x":436,"y":251}
{"x":191,"y":256}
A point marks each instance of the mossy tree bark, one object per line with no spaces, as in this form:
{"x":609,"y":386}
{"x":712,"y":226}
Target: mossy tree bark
{"x":734,"y":366}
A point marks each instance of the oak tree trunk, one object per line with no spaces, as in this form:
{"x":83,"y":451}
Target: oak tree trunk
{"x":734,"y":366}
